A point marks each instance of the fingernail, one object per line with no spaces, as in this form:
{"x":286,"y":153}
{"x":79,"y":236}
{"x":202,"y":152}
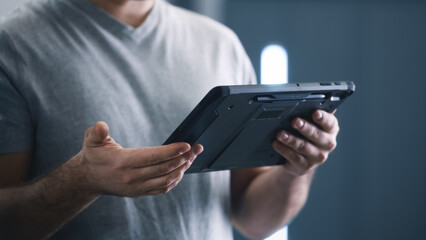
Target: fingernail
{"x":318,"y":115}
{"x":299,"y":123}
{"x":284,"y":137}
{"x":201,"y":149}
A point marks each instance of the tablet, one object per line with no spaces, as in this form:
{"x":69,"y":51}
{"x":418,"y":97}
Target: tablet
{"x":237,"y":124}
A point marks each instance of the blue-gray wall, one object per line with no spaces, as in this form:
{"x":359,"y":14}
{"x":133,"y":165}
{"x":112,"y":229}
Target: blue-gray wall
{"x":374,"y":185}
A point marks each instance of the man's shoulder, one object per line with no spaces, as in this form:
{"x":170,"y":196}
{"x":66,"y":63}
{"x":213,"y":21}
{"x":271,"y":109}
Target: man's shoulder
{"x":25,"y":14}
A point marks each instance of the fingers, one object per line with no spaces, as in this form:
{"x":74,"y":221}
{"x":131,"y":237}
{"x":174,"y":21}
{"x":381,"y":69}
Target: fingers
{"x":166,"y":167}
{"x":297,"y":164}
{"x":143,"y":157}
{"x":133,"y":172}
{"x":160,"y":178}
{"x":164,"y":183}
{"x":327,"y":121}
{"x":293,"y":147}
{"x":305,"y":154}
{"x":317,"y":136}
{"x":153,"y":186}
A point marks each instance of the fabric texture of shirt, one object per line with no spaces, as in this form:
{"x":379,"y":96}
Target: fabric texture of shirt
{"x":65,"y":64}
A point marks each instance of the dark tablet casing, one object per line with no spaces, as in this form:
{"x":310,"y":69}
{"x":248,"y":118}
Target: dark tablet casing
{"x":237,"y":124}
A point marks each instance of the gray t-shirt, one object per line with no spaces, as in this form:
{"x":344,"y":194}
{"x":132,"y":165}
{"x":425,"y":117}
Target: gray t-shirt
{"x":65,"y":64}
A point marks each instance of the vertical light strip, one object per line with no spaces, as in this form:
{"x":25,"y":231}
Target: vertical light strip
{"x":282,"y":234}
{"x":273,"y":65}
{"x":274,"y":70}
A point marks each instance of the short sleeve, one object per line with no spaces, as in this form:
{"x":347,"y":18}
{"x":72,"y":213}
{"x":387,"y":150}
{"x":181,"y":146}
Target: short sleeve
{"x":16,"y":130}
{"x":248,"y":74}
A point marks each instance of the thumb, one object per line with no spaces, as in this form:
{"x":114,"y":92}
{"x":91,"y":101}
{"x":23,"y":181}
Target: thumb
{"x":97,"y":134}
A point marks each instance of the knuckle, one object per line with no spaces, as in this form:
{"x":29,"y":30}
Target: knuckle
{"x":168,"y":188}
{"x":337,"y":128}
{"x":172,"y":165}
{"x":309,"y":165}
{"x":332,"y":123}
{"x":281,"y":149}
{"x":308,"y":129}
{"x":162,"y":190}
{"x":182,"y":169}
{"x":187,"y":165}
{"x":167,"y":181}
{"x":332,"y":145}
{"x":174,"y":184}
{"x":179,"y":175}
{"x":151,"y":158}
{"x":305,"y":165}
{"x":189,"y":156}
{"x":322,"y":156}
{"x":192,"y":156}
{"x":118,"y":165}
{"x":301,"y":146}
{"x":165,"y":168}
{"x":185,"y":159}
{"x":316,"y":134}
{"x":165,"y":190}
{"x":86,"y":133}
{"x":125,"y":179}
{"x":299,"y":158}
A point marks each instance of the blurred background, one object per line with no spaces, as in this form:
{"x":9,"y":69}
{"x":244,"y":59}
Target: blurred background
{"x":374,"y":184}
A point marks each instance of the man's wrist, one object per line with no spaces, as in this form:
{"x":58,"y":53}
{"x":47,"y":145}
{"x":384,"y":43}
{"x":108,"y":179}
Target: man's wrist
{"x":75,"y":173}
{"x":284,"y":176}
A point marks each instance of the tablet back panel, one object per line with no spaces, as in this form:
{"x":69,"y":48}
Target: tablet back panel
{"x":237,"y":124}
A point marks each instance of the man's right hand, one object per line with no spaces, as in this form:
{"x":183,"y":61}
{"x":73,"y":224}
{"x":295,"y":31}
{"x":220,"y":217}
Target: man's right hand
{"x":108,"y":168}
{"x":39,"y":209}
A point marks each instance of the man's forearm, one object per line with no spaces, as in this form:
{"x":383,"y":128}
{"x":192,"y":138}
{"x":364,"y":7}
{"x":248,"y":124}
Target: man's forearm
{"x":39,"y":209}
{"x":263,"y":210}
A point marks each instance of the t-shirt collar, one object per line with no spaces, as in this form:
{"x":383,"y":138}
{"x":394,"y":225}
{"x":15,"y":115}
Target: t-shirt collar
{"x":108,"y":22}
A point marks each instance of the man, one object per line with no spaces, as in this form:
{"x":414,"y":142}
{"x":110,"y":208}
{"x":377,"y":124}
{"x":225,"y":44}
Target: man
{"x":139,"y":66}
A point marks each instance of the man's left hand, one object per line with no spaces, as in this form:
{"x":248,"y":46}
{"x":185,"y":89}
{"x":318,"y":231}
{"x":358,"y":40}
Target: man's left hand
{"x":304,"y":155}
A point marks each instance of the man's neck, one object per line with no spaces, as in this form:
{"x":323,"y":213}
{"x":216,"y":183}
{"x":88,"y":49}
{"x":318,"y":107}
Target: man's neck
{"x":129,"y":12}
